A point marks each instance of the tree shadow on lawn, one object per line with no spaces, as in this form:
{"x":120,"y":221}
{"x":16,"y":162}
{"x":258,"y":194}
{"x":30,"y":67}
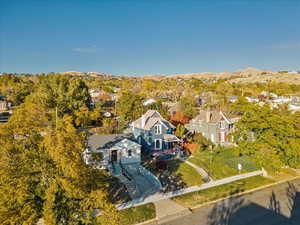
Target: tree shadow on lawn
{"x":170,"y":180}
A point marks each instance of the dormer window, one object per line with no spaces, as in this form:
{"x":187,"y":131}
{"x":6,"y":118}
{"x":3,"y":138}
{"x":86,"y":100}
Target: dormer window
{"x":157,"y":129}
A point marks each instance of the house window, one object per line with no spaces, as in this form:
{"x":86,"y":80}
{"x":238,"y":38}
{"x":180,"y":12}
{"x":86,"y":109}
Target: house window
{"x":222,"y":124}
{"x":129,"y":152}
{"x":157,"y":129}
{"x":157,"y":144}
{"x":222,"y":136}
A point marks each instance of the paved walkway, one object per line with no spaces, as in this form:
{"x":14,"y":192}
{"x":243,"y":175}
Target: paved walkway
{"x":200,"y":170}
{"x":145,"y":184}
{"x":168,"y":209}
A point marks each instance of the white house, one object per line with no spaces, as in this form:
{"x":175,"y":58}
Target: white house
{"x":94,"y":92}
{"x":112,"y":150}
{"x":294,"y":107}
{"x":252,"y":99}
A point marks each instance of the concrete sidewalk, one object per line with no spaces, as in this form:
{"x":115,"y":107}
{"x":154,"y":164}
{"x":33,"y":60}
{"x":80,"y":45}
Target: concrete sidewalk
{"x":167,"y":210}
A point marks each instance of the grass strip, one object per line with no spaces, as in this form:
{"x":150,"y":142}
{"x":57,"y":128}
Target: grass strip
{"x":137,"y":214}
{"x":200,"y":197}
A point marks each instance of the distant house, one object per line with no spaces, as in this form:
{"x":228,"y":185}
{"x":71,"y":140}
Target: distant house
{"x":3,"y":105}
{"x":282,"y":100}
{"x":153,"y":132}
{"x":252,"y":99}
{"x":295,"y":99}
{"x":214,"y":125}
{"x":149,"y":101}
{"x":94,"y":92}
{"x":173,"y":107}
{"x":232,"y":98}
{"x":294,"y":107}
{"x":202,"y":100}
{"x":115,"y":89}
{"x":107,"y":114}
{"x":112,"y":150}
{"x":98,"y":95}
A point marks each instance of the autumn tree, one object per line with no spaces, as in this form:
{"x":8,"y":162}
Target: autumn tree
{"x":179,"y":118}
{"x":44,"y":176}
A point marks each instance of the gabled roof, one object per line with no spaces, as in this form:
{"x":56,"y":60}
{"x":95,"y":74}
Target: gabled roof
{"x":98,"y":142}
{"x":150,"y":118}
{"x":215,"y":117}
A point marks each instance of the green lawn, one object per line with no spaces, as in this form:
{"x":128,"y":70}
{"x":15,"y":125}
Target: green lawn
{"x":222,"y":163}
{"x":178,"y":175}
{"x":137,"y":214}
{"x":187,"y":173}
{"x":200,"y":197}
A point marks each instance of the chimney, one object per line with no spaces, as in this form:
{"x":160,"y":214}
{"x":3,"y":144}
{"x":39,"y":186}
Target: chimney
{"x":143,"y":121}
{"x":208,"y":115}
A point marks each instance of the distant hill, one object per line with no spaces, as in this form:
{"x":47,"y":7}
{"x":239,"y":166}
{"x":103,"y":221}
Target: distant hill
{"x":248,"y":75}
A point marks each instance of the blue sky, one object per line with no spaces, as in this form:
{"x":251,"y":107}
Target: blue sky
{"x":137,"y":37}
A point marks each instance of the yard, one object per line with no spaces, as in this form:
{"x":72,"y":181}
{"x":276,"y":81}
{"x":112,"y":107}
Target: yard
{"x":137,"y":214}
{"x":222,"y":163}
{"x":200,"y":197}
{"x":178,"y":175}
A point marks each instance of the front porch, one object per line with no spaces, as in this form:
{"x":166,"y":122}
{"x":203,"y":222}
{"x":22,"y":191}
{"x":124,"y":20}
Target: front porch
{"x":176,"y":149}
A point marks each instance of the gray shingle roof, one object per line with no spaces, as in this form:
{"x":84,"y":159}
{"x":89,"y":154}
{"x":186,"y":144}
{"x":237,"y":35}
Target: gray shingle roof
{"x":151,"y":117}
{"x":215,"y":116}
{"x":101,"y":142}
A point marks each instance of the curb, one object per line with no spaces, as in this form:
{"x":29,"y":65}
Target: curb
{"x":194,"y":208}
{"x":148,"y":221}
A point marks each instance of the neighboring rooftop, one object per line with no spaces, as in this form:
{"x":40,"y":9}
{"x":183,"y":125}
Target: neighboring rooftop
{"x":215,"y":116}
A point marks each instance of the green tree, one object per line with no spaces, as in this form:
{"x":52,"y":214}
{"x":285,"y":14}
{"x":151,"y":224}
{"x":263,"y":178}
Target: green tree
{"x":264,"y":132}
{"x":180,"y":129}
{"x":187,"y":105}
{"x":129,"y":106}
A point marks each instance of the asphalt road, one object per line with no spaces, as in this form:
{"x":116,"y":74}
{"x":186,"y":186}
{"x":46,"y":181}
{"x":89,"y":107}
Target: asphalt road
{"x":277,"y":205}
